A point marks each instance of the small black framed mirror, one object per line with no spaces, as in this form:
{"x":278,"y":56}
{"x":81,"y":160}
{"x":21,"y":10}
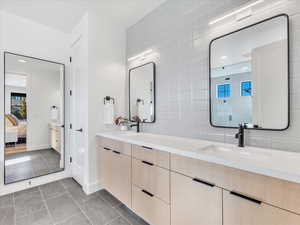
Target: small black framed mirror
{"x":142,"y":93}
{"x":249,"y":76}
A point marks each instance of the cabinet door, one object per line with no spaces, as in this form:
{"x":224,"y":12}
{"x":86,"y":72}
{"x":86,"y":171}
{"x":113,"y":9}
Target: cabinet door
{"x":194,"y":203}
{"x":242,"y":210}
{"x":105,"y":168}
{"x":121,"y":177}
{"x":150,"y":208}
{"x":154,"y":179}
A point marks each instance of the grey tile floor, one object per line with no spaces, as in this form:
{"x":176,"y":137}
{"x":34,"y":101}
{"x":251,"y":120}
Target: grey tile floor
{"x":37,"y":163}
{"x":64,"y":203}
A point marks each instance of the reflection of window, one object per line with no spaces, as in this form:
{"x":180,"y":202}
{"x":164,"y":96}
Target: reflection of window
{"x":18,"y":105}
{"x":246,"y":88}
{"x":224,"y":91}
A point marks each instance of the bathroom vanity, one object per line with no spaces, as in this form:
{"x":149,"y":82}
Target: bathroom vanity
{"x":171,"y":180}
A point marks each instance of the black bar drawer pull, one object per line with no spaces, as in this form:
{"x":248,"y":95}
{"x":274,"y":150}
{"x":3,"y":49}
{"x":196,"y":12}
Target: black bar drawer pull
{"x":148,"y":193}
{"x":108,"y":149}
{"x":203,"y":182}
{"x":117,"y":152}
{"x":245,"y":197}
{"x":147,"y":147}
{"x":148,"y":163}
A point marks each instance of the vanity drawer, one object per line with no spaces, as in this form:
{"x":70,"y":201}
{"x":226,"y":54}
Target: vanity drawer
{"x":240,"y":211}
{"x":154,"y":179}
{"x":114,"y":145}
{"x":270,"y":190}
{"x":151,"y":209}
{"x":158,"y":158}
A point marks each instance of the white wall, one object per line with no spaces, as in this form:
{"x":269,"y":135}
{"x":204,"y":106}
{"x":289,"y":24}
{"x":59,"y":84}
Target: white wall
{"x":107,"y":42}
{"x":179,"y":31}
{"x":22,"y":36}
{"x":43,"y":91}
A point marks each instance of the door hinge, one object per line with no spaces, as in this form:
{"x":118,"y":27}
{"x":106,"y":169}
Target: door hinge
{"x":71,"y":126}
{"x":71,"y":93}
{"x":71,"y":160}
{"x":70,"y":59}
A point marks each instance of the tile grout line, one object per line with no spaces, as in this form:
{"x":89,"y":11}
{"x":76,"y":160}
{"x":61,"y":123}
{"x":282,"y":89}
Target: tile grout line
{"x":46,"y":206}
{"x":115,"y":209}
{"x":14,"y":207}
{"x":76,"y":203}
{"x":112,"y":220}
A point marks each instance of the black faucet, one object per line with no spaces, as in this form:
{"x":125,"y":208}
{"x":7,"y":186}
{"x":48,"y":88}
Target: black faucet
{"x":241,"y":135}
{"x":137,"y":125}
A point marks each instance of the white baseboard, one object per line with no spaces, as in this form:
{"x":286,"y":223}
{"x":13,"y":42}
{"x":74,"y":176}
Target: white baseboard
{"x":34,"y":182}
{"x":38,"y":147}
{"x":92,"y":188}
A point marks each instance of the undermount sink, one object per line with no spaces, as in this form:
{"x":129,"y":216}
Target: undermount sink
{"x":130,"y":134}
{"x":227,"y":151}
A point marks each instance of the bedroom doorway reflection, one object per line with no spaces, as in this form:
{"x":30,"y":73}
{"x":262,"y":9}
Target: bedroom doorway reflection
{"x":34,"y":117}
{"x":16,"y":115}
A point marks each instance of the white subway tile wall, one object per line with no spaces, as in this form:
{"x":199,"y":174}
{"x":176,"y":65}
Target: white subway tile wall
{"x":179,"y":32}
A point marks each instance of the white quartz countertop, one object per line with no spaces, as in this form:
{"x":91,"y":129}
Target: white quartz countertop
{"x":278,"y":164}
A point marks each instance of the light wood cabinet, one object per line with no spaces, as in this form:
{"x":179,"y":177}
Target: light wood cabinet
{"x":280,"y":193}
{"x":105,"y":160}
{"x":115,"y":168}
{"x":152,"y":178}
{"x":121,"y":177}
{"x":119,"y":146}
{"x":169,"y":189}
{"x":194,"y":202}
{"x":158,"y":158}
{"x":150,"y":208}
{"x":242,"y":211}
{"x":55,"y":138}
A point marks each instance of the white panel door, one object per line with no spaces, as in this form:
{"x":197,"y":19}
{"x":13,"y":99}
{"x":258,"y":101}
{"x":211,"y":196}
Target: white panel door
{"x":79,"y":112}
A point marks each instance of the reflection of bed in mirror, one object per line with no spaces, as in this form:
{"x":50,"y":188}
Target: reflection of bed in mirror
{"x":15,"y":129}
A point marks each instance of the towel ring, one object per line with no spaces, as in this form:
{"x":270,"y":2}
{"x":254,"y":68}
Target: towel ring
{"x":108,"y":99}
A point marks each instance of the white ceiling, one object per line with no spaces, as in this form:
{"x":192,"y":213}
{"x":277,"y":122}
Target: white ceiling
{"x":65,"y":14}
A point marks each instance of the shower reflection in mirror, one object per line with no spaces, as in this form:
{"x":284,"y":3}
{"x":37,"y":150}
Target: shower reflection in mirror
{"x":34,"y":117}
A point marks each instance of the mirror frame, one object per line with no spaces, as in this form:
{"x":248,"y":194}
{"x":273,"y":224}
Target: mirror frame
{"x":64,"y":108}
{"x":288,"y":72}
{"x":154,"y":90}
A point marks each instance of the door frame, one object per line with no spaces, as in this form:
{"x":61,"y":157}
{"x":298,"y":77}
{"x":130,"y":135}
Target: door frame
{"x":72,"y":93}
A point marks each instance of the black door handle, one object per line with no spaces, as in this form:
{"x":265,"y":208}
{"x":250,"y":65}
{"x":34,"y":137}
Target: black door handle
{"x":80,"y":130}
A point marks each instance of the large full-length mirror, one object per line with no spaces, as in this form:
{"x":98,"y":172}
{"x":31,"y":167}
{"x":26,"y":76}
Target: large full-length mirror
{"x":249,"y":76}
{"x":34,"y":117}
{"x":142,"y":93}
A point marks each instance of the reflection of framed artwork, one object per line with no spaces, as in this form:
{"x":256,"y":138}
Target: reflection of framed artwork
{"x":18,"y":105}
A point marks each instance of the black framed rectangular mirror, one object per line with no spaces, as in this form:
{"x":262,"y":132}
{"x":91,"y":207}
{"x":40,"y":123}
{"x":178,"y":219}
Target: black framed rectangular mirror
{"x":34,"y":117}
{"x":249,"y":76}
{"x":142,"y":93}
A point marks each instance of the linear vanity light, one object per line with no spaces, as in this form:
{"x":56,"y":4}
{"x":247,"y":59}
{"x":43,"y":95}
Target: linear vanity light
{"x":236,"y":12}
{"x":141,"y":55}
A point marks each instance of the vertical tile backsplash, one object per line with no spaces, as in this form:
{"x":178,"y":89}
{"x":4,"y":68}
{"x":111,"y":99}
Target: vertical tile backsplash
{"x":179,"y":32}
